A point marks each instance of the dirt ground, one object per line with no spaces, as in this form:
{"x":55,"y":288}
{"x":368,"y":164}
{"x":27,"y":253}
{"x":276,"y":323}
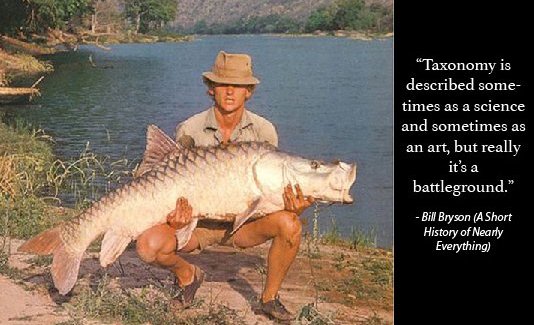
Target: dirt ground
{"x":234,"y":279}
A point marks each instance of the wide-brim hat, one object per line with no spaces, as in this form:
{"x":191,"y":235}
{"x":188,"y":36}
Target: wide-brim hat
{"x":232,"y":69}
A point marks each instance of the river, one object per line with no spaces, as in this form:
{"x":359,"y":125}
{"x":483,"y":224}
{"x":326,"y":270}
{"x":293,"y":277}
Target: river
{"x":330,"y":98}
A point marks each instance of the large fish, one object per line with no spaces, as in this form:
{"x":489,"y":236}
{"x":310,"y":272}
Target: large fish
{"x":226,"y":183}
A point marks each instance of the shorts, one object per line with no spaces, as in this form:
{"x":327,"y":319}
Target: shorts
{"x":209,"y":233}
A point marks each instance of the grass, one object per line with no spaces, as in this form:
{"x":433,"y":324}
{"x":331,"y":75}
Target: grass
{"x":374,"y":320}
{"x":358,"y":273}
{"x":368,"y":278}
{"x":25,"y":154}
{"x":41,"y":260}
{"x":20,"y":68}
{"x":150,"y":305}
{"x":363,"y":274}
{"x":309,"y":314}
{"x":332,"y":236}
{"x":7,"y":270}
{"x":33,"y":182}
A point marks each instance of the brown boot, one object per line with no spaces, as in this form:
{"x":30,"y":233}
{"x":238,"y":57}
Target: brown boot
{"x":275,"y":309}
{"x":188,"y":292}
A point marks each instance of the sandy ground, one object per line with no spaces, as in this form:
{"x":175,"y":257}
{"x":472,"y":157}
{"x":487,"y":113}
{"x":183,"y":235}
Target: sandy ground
{"x":18,"y":306}
{"x":234,"y":279}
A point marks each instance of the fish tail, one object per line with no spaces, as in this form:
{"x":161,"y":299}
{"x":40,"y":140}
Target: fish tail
{"x":65,"y":265}
{"x":43,"y":244}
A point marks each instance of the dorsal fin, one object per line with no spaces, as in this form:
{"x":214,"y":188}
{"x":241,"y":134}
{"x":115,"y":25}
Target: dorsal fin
{"x":158,"y":144}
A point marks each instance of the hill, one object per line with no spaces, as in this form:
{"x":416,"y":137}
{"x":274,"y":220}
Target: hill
{"x":191,"y":12}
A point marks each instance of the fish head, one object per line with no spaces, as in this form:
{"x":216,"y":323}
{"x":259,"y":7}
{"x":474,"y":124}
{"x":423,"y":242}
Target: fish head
{"x":329,"y":182}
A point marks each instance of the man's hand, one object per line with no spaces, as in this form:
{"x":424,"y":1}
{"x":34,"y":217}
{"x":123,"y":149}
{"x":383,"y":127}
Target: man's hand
{"x":182,"y":215}
{"x":296,"y":204}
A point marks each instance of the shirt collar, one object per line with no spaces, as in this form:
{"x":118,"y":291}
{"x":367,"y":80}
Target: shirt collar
{"x":211,"y":123}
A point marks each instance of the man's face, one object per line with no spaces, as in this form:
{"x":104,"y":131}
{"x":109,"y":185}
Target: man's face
{"x":230,"y":98}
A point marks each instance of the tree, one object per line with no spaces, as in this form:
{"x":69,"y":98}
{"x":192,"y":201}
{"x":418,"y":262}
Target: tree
{"x":348,"y":14}
{"x":12,"y":16}
{"x":107,"y":15}
{"x":351,"y":15}
{"x":150,"y":14}
{"x":39,"y":15}
{"x":320,"y":19}
{"x":43,"y":14}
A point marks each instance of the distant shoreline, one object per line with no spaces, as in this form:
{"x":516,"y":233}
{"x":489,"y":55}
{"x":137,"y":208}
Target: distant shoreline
{"x":21,"y":62}
{"x":355,"y":35}
{"x":343,"y":34}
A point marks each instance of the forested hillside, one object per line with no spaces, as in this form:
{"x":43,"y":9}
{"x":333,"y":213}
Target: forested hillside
{"x":191,"y":12}
{"x":27,"y":17}
{"x":260,"y":16}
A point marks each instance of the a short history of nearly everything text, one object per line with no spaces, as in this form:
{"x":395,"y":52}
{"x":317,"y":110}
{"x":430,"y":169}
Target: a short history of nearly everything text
{"x":463,"y":114}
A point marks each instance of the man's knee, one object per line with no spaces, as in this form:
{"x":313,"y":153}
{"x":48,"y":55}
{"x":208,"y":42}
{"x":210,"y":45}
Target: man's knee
{"x":144,"y":251}
{"x":282,"y":224}
{"x":289,"y":225}
{"x":155,"y":241}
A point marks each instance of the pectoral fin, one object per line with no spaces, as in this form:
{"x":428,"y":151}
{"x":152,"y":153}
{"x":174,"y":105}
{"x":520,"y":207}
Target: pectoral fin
{"x":241,"y":218}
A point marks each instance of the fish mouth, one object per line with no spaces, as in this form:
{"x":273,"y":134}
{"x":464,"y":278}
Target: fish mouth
{"x":351,"y":178}
{"x":347,"y":198}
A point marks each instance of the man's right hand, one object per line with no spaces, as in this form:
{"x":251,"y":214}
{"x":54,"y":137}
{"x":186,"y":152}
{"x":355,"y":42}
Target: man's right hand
{"x":182,"y":215}
{"x":296,"y":203}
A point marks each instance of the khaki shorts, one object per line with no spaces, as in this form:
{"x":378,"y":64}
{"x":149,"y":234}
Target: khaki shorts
{"x":209,"y":233}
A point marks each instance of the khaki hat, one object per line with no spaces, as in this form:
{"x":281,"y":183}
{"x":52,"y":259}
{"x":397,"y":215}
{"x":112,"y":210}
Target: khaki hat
{"x":232,"y":69}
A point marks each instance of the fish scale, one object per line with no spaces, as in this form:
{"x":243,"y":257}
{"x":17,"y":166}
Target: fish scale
{"x":229,"y":183}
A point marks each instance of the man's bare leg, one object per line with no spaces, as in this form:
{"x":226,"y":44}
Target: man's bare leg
{"x":157,"y":246}
{"x":285,"y":229}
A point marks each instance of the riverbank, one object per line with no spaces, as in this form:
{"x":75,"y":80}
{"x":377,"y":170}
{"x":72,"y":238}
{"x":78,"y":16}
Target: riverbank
{"x":328,"y":286}
{"x":19,"y":65}
{"x":20,"y":60}
{"x":129,"y":37}
{"x":355,"y":35}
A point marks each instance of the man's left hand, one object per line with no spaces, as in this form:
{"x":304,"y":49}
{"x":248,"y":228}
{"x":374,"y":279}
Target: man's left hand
{"x":296,"y":203}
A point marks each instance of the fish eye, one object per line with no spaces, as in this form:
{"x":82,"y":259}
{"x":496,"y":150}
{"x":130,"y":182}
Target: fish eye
{"x":315,"y":164}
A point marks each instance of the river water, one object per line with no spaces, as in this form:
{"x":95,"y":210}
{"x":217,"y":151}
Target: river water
{"x":330,"y":98}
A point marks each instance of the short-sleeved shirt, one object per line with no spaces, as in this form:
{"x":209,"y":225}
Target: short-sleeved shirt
{"x":204,"y":130}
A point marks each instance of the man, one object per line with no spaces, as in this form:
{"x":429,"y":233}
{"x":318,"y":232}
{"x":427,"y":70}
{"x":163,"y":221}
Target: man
{"x":230,"y":83}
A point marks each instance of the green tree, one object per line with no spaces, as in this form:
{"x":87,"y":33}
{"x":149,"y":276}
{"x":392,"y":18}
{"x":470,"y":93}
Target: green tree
{"x":384,"y":20}
{"x":349,"y":14}
{"x":55,"y":13}
{"x":201,"y":27}
{"x":13,"y":15}
{"x":320,"y":19}
{"x":147,"y":15}
{"x":39,"y":15}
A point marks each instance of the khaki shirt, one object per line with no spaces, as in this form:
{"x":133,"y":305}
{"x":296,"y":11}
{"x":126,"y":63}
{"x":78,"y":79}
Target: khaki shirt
{"x":204,"y":130}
